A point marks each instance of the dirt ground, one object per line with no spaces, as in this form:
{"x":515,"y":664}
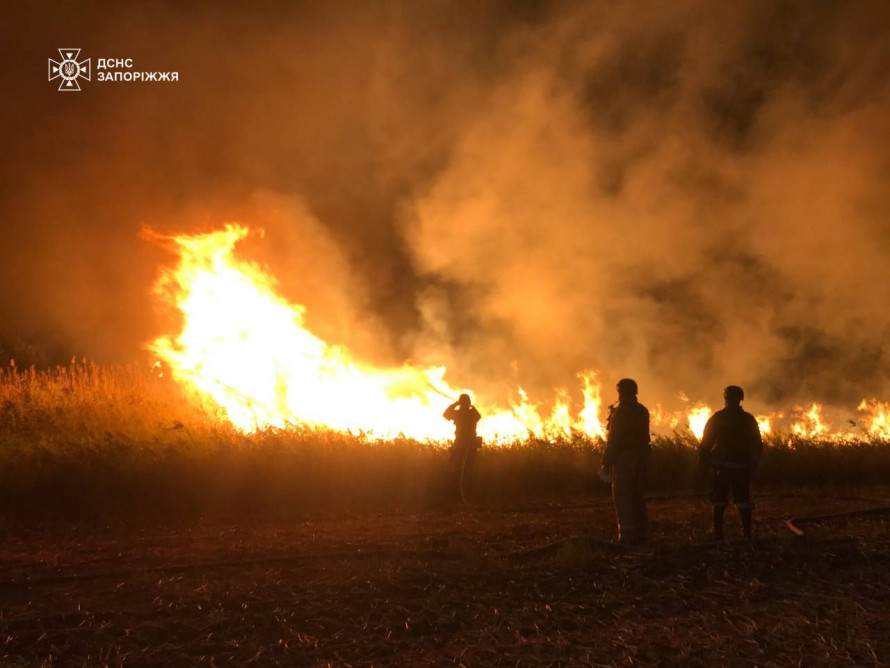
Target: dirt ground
{"x":466,"y":587}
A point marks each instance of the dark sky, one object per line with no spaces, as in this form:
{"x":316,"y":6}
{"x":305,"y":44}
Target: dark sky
{"x":692,"y":195}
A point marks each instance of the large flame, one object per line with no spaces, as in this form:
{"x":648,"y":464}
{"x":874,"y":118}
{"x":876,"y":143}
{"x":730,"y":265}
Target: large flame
{"x":247,"y":348}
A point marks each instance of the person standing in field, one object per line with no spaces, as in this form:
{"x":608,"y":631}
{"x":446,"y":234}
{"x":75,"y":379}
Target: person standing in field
{"x":731,"y":445}
{"x":463,"y":451}
{"x":625,"y":458}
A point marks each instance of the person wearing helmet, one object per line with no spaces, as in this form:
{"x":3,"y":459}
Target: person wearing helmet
{"x":625,"y":457}
{"x":463,"y":451}
{"x":731,"y":445}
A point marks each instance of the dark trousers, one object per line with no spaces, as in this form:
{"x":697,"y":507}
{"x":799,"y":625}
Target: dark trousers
{"x":628,"y":493}
{"x":463,"y":455}
{"x":734,"y":481}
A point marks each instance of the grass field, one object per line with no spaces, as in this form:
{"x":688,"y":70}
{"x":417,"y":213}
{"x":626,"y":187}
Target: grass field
{"x":139,"y":530}
{"x":89,"y":441}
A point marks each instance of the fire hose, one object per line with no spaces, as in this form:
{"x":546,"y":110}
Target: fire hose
{"x":793,"y":524}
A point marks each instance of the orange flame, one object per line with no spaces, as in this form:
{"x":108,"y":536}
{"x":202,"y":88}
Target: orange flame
{"x":877,"y":420}
{"x":246,"y":348}
{"x":664,"y":418}
{"x":764,"y":422}
{"x":697,"y":418}
{"x":810,"y":423}
{"x":589,"y":421}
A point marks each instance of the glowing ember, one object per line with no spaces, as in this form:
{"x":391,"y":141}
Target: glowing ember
{"x":246,"y":348}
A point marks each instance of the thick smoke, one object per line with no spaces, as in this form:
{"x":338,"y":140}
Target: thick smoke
{"x":693,"y":199}
{"x":691,"y":196}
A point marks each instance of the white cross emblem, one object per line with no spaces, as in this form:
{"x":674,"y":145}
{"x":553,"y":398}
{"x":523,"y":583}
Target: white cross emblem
{"x":68,"y":69}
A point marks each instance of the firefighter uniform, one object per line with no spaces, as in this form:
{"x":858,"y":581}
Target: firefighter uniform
{"x":626,"y":455}
{"x":731,"y":445}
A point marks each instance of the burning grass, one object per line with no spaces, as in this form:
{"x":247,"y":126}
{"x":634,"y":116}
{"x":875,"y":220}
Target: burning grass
{"x":123,"y":440}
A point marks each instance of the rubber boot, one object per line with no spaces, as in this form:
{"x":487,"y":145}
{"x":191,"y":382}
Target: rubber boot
{"x":718,"y":522}
{"x":746,"y":521}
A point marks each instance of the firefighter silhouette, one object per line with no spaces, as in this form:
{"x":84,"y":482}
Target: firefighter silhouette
{"x":731,"y":445}
{"x":463,"y":451}
{"x":625,"y":458}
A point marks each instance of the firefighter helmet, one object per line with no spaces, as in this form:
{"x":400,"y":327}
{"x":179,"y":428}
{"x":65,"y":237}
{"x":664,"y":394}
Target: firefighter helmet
{"x":627,"y":386}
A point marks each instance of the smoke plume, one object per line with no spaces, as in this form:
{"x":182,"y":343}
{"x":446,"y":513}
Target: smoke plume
{"x":692,"y":195}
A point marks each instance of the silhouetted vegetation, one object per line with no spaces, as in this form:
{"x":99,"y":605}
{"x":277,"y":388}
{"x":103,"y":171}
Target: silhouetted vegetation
{"x":84,"y":439}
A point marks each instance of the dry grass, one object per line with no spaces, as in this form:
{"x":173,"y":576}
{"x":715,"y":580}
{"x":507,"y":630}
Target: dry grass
{"x":373,"y":585}
{"x":106,"y":441}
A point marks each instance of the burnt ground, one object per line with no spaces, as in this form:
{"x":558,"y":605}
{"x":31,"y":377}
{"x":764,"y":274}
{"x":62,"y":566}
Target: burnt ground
{"x":451,"y":588}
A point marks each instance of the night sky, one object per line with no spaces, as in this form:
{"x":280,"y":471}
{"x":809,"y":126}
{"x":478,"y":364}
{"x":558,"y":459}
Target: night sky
{"x":689,"y":193}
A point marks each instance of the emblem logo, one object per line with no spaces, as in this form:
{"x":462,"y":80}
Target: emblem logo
{"x":69,"y":70}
